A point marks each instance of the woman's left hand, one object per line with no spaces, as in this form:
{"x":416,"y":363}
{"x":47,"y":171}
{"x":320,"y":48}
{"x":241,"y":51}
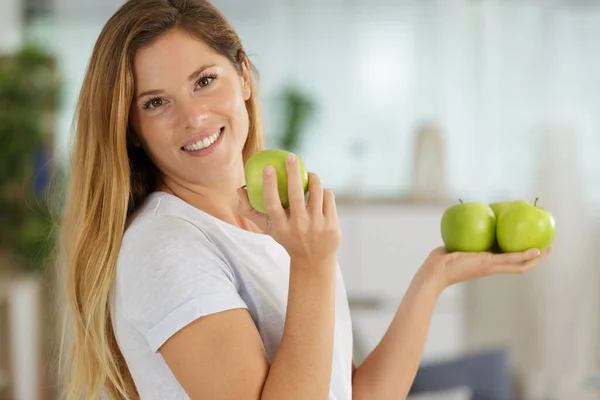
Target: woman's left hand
{"x":446,"y":268}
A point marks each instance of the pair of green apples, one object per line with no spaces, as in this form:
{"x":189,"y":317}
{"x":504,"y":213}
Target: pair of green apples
{"x":502,"y":227}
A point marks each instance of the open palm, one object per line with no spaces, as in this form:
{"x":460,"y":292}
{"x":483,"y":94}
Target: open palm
{"x":454,"y":267}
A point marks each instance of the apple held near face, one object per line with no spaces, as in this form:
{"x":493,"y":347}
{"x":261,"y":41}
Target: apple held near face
{"x":253,"y":171}
{"x":468,"y":227}
{"x":523,"y":225}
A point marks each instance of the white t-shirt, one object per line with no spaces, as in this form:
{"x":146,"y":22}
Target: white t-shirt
{"x":178,"y":263}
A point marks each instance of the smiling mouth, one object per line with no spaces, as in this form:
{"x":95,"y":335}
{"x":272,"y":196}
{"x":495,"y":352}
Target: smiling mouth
{"x":204,"y":143}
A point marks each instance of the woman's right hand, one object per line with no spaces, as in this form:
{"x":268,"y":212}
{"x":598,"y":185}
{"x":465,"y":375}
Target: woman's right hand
{"x":310,"y":233}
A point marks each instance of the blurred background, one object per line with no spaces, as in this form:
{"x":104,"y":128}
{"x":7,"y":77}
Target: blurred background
{"x":402,"y":107}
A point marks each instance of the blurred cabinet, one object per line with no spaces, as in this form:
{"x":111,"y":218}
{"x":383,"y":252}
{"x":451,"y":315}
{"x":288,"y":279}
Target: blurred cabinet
{"x":20,"y":337}
{"x":11,"y":25}
{"x":383,"y":245}
{"x":4,"y":346}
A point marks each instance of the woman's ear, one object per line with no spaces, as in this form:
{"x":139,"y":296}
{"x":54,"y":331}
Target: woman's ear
{"x":247,"y":89}
{"x":135,"y":141}
{"x":133,"y":137}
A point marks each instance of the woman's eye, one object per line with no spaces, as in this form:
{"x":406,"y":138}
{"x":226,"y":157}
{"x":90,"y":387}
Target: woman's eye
{"x":205,"y":81}
{"x":154,"y":103}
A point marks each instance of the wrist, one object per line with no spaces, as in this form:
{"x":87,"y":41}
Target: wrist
{"x":316,"y":266}
{"x":431,"y":279}
{"x":314,"y":260}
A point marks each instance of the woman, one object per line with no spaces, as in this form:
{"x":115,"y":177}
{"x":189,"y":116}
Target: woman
{"x":178,"y":288}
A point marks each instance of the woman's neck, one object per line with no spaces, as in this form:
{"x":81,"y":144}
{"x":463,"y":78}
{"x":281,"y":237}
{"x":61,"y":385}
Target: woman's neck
{"x":219,"y":199}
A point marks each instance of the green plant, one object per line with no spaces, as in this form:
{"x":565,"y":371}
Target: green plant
{"x":297,"y":109}
{"x":29,"y":93}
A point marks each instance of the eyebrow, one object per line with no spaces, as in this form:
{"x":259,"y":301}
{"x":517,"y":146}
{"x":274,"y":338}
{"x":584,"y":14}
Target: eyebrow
{"x":191,"y":77}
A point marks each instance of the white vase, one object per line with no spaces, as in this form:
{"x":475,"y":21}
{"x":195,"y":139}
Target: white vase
{"x":429,"y":166}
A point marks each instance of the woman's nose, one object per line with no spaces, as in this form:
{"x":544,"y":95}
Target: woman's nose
{"x":193,"y":113}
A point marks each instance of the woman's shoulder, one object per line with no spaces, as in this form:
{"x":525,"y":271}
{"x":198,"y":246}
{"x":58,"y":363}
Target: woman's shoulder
{"x":161,"y":247}
{"x":161,"y":208}
{"x":167,"y":224}
{"x":161,"y":223}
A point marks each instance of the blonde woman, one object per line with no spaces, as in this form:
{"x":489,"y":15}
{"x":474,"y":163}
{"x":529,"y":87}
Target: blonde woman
{"x":177,"y":287}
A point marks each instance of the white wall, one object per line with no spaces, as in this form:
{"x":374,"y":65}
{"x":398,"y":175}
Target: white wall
{"x":492,"y":73}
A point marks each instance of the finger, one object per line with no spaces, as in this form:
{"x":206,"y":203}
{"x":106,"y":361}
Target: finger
{"x":438,"y":251}
{"x":516,"y":258}
{"x":271,"y":194}
{"x":246,"y":210}
{"x":295,"y":189}
{"x":329,"y":207}
{"x":244,"y":206}
{"x":522,"y":267}
{"x":315,"y":195}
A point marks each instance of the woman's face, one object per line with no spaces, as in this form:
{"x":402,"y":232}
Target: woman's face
{"x":189,"y":110}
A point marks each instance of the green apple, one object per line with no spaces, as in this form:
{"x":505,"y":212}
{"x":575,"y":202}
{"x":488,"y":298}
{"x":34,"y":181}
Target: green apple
{"x":523,"y":226}
{"x":499,"y":207}
{"x":468,"y":227}
{"x":253,"y":171}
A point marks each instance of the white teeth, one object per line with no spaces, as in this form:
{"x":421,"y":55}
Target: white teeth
{"x":201,"y":144}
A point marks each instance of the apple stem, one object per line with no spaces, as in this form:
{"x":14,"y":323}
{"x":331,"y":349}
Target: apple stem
{"x":460,"y":201}
{"x":536,"y":200}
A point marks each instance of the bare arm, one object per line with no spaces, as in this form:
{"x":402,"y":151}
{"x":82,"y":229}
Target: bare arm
{"x":221,"y":356}
{"x":301,"y":368}
{"x":389,"y":371}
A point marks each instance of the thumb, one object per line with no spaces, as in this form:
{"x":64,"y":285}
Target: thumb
{"x":244,"y":206}
{"x":246,"y":210}
{"x":438,"y":251}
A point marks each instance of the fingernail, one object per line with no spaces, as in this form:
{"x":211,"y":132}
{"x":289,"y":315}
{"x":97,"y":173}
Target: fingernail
{"x":291,"y":157}
{"x":268,"y":170}
{"x":535,"y":253}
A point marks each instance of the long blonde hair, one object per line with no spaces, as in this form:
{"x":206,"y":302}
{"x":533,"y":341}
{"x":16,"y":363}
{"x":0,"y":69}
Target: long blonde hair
{"x":110,"y":178}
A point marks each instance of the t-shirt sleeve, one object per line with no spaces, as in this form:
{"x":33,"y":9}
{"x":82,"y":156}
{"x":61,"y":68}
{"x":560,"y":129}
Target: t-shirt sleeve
{"x":169,"y":275}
